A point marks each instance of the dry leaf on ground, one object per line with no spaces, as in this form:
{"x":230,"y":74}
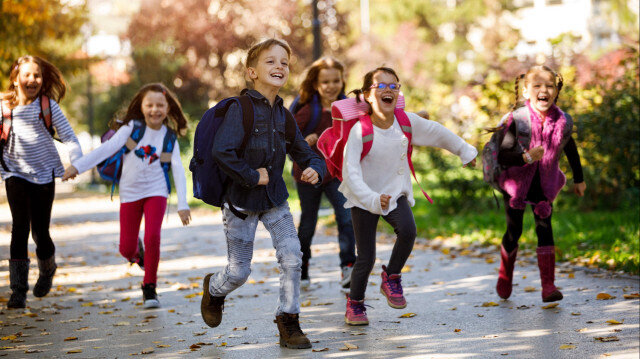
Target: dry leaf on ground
{"x":567,"y":346}
{"x":490,"y":304}
{"x":551,"y":305}
{"x":611,"y":338}
{"x":407,"y":315}
{"x":604,"y":296}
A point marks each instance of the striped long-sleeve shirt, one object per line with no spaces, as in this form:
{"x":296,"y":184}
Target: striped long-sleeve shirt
{"x":30,"y":152}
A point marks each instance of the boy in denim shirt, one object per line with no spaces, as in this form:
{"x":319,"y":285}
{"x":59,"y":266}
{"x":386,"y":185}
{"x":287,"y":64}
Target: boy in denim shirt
{"x":258,"y":190}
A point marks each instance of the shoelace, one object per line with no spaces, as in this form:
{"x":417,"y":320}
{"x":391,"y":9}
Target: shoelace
{"x":394,"y":285}
{"x":359,"y":308}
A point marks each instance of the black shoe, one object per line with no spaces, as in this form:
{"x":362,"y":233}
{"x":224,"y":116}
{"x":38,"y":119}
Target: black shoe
{"x":149,"y":296}
{"x":18,"y":278}
{"x":47,"y":269}
{"x":140,"y":253}
{"x":211,"y":307}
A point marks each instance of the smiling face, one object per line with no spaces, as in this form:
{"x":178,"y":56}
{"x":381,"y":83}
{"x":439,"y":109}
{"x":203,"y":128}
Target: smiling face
{"x":28,"y":83}
{"x":329,"y":84}
{"x":271,"y":68}
{"x":541,"y":90}
{"x":154,"y":108}
{"x":383,"y":101}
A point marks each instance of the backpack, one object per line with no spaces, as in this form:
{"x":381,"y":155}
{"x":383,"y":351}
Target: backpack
{"x":111,"y":168}
{"x":491,"y":169}
{"x":346,"y":113}
{"x":209,"y":180}
{"x":7,"y":118}
{"x":316,"y":112}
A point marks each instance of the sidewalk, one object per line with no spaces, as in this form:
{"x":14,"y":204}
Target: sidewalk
{"x":95,"y":308}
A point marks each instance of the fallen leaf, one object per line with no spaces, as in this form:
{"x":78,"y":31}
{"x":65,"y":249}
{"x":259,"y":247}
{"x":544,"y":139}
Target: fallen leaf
{"x":581,"y":330}
{"x":197,"y":334}
{"x":171,"y":310}
{"x":407,"y":315}
{"x":576,"y":313}
{"x":567,"y":346}
{"x":453,"y":308}
{"x":31,"y":351}
{"x":632,"y":296}
{"x":74,"y":351}
{"x":350,"y":346}
{"x":612,"y":338}
{"x":88,"y":304}
{"x":320,"y":350}
{"x":68,"y":339}
{"x":550,"y":306}
{"x":192,"y":295}
{"x":571,"y":275}
{"x":604,"y":296}
{"x":163,"y":346}
{"x":240,"y":328}
{"x":194,"y":346}
{"x":489,"y":260}
{"x":490,"y":304}
{"x":401,"y":346}
{"x":614,"y":322}
{"x":121,"y":324}
{"x":457,"y":330}
{"x":406,"y":269}
{"x":306,"y":303}
{"x":530,"y":289}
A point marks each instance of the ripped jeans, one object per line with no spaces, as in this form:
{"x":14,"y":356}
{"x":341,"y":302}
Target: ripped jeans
{"x":240,"y":237}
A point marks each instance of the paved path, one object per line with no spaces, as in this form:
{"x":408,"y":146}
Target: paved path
{"x":94,"y":310}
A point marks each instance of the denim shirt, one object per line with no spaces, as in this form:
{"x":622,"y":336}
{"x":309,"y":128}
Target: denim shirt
{"x":266,"y":148}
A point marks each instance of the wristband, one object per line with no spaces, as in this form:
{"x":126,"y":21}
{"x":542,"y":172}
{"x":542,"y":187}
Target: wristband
{"x":528,"y":158}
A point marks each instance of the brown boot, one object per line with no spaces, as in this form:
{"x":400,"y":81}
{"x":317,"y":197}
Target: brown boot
{"x":291,"y":336}
{"x":211,"y":307}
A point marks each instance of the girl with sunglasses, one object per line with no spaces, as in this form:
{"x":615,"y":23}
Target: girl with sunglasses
{"x":380,"y":185}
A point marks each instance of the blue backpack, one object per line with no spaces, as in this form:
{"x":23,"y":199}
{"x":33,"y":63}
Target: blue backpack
{"x":316,"y":112}
{"x":209,"y":180}
{"x":111,"y":168}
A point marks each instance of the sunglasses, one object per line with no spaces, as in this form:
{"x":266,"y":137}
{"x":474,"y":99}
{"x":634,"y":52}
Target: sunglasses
{"x":382,"y":86}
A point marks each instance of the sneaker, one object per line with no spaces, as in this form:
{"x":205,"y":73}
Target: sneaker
{"x":345,"y":280}
{"x":356,"y":313}
{"x":392,"y":289}
{"x":149,"y":296}
{"x":211,"y":307}
{"x":305,"y":281}
{"x":291,"y":336}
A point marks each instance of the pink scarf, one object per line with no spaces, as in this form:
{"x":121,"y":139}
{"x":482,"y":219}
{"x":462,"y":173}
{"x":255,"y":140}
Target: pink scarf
{"x":516,"y":180}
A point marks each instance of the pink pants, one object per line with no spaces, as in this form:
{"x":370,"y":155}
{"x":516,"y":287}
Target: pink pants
{"x":130,"y":217}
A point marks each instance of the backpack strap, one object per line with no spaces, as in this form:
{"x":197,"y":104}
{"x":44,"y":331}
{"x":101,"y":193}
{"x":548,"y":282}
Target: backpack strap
{"x":137,"y":133}
{"x":367,"y":134}
{"x":45,"y":116}
{"x":168,"y":145}
{"x":405,"y":125}
{"x":523,"y":126}
{"x":247,"y":118}
{"x":5,"y":129}
{"x":316,"y":114}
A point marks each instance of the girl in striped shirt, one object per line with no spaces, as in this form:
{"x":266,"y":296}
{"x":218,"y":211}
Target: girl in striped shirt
{"x":30,"y":163}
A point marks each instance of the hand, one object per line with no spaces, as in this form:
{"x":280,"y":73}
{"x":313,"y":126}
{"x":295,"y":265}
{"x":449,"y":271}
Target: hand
{"x":536,"y":154}
{"x":310,"y":175}
{"x":312,"y":139}
{"x":185,"y":216}
{"x":579,"y":188}
{"x":471,"y":164}
{"x":264,"y":177}
{"x":384,"y":201}
{"x":70,"y":173}
{"x":423,"y":114}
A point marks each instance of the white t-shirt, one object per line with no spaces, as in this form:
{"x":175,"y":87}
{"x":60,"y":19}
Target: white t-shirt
{"x":385,"y":169}
{"x":142,"y":175}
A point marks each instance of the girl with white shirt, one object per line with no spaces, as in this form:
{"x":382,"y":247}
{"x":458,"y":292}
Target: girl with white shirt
{"x":380,"y":185}
{"x":143,"y":187}
{"x":30,"y":163}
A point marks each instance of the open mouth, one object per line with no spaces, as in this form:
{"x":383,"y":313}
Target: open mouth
{"x":277,"y":76}
{"x":543,"y":99}
{"x":387,"y":99}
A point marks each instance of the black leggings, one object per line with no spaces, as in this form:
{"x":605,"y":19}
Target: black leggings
{"x":514,"y":228}
{"x":364,"y":228}
{"x":30,"y":206}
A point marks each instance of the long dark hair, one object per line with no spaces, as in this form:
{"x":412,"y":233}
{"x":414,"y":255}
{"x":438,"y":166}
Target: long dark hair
{"x":368,"y":81}
{"x":310,"y":82}
{"x":175,"y":118}
{"x":53,"y":85}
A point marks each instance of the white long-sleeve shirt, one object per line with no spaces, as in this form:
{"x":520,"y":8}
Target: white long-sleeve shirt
{"x":30,"y":152}
{"x":142,"y":175}
{"x":385,"y":169}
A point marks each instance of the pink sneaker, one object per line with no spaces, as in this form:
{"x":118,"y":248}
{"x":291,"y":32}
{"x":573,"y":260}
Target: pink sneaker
{"x":356,"y":312}
{"x":392,"y":289}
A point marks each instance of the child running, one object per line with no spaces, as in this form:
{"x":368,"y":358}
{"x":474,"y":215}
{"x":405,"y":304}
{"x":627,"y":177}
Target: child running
{"x":144,"y":184}
{"x":258,"y":190}
{"x":30,"y":163}
{"x":323,"y":84}
{"x":532,"y":175}
{"x":380,"y":185}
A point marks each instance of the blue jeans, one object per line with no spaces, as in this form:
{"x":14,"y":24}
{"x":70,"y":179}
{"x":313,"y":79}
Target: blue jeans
{"x":240,"y":237}
{"x":310,"y":197}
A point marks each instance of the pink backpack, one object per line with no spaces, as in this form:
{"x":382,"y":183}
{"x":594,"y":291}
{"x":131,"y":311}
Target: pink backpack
{"x":346,"y":113}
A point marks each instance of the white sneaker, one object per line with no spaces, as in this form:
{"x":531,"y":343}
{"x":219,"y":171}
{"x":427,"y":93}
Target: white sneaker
{"x":345,"y":282}
{"x":151,"y":303}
